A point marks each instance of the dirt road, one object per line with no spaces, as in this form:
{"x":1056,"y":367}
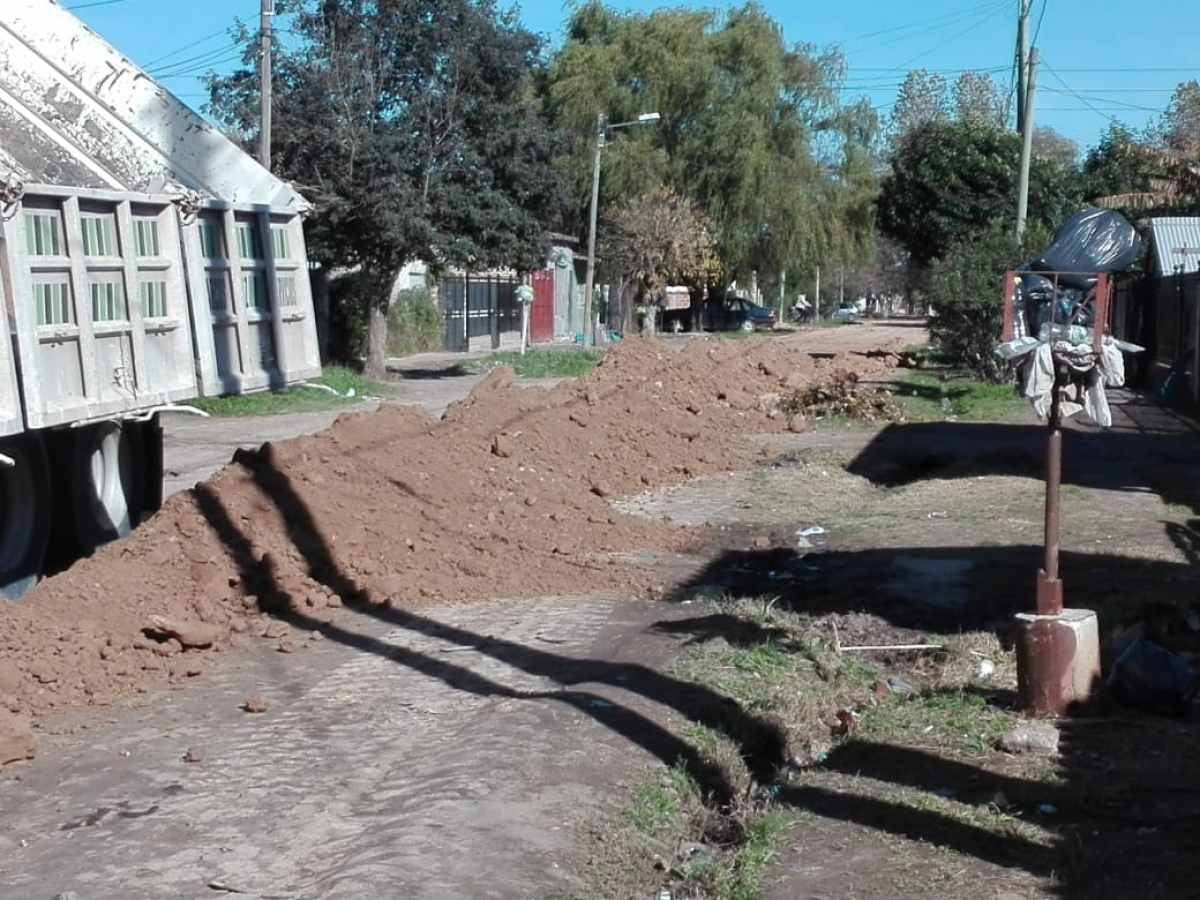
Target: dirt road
{"x":412,"y":745}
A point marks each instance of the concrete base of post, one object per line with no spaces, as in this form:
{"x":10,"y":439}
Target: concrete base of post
{"x":1058,"y":660}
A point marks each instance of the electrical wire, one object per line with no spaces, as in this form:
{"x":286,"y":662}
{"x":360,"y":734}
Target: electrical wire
{"x":93,"y":3}
{"x":196,"y":43}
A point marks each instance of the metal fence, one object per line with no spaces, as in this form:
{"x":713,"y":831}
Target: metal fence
{"x":478,"y":307}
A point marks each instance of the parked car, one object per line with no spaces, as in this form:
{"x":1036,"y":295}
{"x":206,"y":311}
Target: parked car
{"x":846,"y":313}
{"x":730,"y":314}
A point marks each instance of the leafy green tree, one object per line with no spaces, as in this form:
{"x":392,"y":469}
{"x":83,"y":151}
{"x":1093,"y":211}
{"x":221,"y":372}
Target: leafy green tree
{"x":745,"y":118}
{"x":951,"y":182}
{"x":413,"y":126}
{"x":966,"y":296}
{"x":1117,"y":165}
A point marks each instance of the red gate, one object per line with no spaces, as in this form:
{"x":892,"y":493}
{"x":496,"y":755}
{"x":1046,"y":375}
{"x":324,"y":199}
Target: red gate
{"x":541,"y":315}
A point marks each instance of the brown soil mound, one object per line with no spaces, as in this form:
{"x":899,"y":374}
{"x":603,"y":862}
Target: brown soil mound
{"x":507,"y":495}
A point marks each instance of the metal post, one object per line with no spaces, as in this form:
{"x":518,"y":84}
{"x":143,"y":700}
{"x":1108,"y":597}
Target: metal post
{"x":591,"y":257}
{"x":1049,"y":585}
{"x":264,"y":138}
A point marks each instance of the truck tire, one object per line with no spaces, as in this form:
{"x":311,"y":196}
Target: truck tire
{"x":24,"y":514}
{"x":107,"y":483}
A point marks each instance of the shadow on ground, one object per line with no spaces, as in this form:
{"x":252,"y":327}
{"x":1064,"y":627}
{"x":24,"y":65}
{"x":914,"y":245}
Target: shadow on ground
{"x":1130,"y":784}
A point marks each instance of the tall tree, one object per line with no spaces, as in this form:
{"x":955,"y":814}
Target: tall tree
{"x":741,"y":111}
{"x":1181,"y":122}
{"x":953,"y":180}
{"x":978,"y":99}
{"x":413,"y":126}
{"x":1054,"y":146}
{"x":923,"y":98}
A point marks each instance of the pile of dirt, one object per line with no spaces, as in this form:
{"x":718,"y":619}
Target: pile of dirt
{"x":842,"y":396}
{"x":507,"y":495}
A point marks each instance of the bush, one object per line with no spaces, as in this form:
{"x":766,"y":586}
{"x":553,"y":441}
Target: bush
{"x":415,"y":323}
{"x":966,"y":290}
{"x":347,"y":318}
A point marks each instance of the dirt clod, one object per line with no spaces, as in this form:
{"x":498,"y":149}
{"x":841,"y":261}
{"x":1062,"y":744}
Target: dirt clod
{"x":16,"y":738}
{"x":255,"y":704}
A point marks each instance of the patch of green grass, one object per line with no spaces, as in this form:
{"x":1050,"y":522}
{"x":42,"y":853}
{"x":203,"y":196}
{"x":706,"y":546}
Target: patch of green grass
{"x":655,"y":806}
{"x":743,"y":879}
{"x":539,"y":363}
{"x":955,"y":719}
{"x":929,"y":397}
{"x":347,"y":387}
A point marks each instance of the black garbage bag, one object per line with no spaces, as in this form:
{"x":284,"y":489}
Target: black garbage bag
{"x":1091,"y":241}
{"x":1151,"y":678}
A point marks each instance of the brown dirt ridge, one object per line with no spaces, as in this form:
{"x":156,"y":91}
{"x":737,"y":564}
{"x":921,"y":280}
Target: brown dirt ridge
{"x":507,"y":495}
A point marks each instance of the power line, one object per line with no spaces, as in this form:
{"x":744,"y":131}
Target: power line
{"x":93,"y":3}
{"x":195,"y":43}
{"x":1072,"y":92}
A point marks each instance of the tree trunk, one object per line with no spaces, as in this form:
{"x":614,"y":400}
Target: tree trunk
{"x":377,"y":340}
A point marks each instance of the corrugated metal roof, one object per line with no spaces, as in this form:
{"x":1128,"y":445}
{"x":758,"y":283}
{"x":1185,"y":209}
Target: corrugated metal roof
{"x":74,"y":111}
{"x":1176,"y":242}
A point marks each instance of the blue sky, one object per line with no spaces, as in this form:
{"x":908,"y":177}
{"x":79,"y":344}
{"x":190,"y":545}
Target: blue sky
{"x":1100,"y":59}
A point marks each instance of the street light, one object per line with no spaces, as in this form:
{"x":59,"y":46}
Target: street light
{"x":602,"y":130}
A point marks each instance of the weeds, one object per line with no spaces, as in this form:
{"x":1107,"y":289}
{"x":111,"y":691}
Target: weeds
{"x":344,"y":386}
{"x":538,"y":363}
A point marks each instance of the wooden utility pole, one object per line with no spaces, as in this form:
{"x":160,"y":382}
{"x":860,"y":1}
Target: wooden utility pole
{"x":1026,"y":148}
{"x":264,"y":149}
{"x":1022,"y":63}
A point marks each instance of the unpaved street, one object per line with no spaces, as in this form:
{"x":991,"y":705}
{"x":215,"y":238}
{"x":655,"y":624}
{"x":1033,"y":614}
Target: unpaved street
{"x":433,"y":750}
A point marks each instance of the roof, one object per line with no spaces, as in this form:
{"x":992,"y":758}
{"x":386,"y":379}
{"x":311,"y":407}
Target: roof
{"x":76,"y":112}
{"x":1176,"y":241}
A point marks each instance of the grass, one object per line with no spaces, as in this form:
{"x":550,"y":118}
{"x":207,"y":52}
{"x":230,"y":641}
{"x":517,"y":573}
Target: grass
{"x":783,"y":668}
{"x":537,"y":363}
{"x":350,"y":387}
{"x":929,"y":397}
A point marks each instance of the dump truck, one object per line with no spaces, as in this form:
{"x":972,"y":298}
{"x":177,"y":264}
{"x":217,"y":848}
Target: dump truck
{"x":145,"y":260}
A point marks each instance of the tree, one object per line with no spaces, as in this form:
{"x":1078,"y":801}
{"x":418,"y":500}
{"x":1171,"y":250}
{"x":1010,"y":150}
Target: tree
{"x":1139,"y":177}
{"x":952,"y":181}
{"x":964,"y":293}
{"x":923,"y":99}
{"x":1055,"y":147}
{"x":657,"y":240}
{"x":978,"y":99}
{"x":413,"y":126}
{"x":741,"y":112}
{"x":1180,"y":123}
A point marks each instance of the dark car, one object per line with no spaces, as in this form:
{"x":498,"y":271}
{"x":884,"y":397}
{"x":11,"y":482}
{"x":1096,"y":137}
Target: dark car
{"x":730,"y":314}
{"x":736,"y":314}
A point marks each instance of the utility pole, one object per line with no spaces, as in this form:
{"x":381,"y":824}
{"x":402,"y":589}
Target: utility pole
{"x":590,"y":283}
{"x":1026,"y":148}
{"x":817,"y":297}
{"x":264,"y":149}
{"x":1022,"y":63}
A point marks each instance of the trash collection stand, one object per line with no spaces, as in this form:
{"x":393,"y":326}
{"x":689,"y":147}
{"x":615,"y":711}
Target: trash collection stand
{"x":1058,"y":650}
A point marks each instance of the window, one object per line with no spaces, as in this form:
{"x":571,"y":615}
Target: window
{"x":53,"y":302}
{"x":286,"y":286}
{"x":249,"y":245}
{"x":43,"y":234}
{"x":99,"y":236}
{"x":145,"y":237}
{"x":212,"y":243}
{"x":218,"y":296}
{"x":279,"y":242}
{"x":108,"y":301}
{"x":255,"y":286}
{"x":154,"y":299}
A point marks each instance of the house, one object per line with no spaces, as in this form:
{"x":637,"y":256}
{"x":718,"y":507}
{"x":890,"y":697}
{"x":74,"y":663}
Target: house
{"x":1160,"y":311}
